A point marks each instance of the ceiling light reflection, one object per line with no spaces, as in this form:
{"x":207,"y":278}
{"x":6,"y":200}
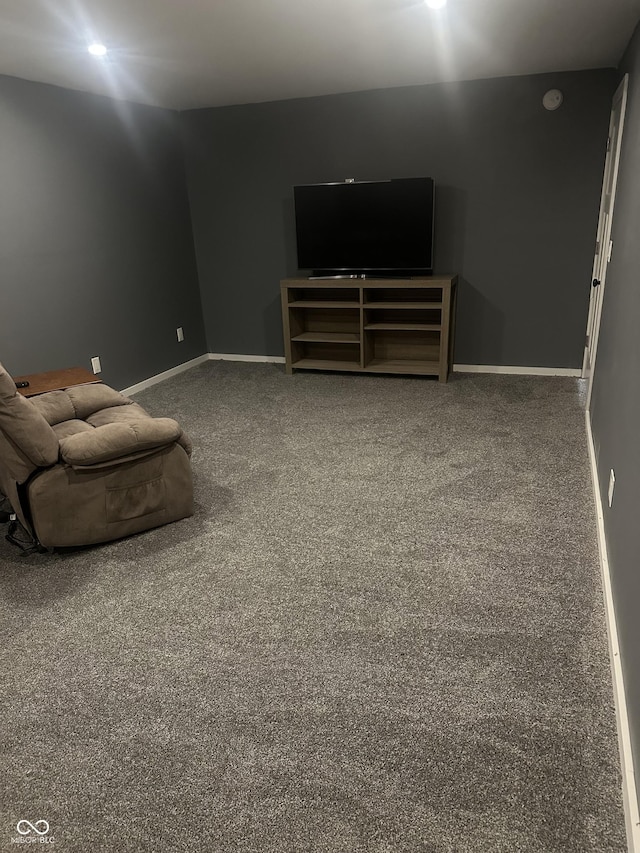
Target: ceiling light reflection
{"x":97,"y":49}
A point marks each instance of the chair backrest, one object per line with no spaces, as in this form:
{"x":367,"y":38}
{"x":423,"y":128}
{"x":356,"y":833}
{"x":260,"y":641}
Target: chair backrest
{"x":27,"y":441}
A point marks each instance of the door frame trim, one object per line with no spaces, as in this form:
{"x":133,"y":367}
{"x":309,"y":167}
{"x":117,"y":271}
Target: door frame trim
{"x":620,"y":94}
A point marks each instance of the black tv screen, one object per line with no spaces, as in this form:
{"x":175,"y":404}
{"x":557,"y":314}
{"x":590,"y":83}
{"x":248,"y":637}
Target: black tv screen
{"x":366,"y":226}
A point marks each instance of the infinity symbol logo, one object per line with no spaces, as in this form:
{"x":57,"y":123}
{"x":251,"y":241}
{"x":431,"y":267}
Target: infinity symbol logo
{"x":32,"y":827}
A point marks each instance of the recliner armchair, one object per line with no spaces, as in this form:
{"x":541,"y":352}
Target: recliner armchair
{"x":88,"y":465}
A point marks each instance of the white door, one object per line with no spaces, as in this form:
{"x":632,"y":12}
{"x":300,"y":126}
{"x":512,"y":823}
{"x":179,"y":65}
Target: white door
{"x":604,"y":246}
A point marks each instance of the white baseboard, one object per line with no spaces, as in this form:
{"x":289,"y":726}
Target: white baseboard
{"x":167,"y":374}
{"x":458,"y":368}
{"x":525,"y":371}
{"x":278,"y":359}
{"x":187,"y":365}
{"x":271,"y":359}
{"x":629,"y":791}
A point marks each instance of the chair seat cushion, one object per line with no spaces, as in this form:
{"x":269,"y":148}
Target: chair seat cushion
{"x":78,"y":402}
{"x":112,"y":441}
{"x":71,"y":427}
{"x":54,"y":406}
{"x":117,"y":414}
{"x":87,"y":399}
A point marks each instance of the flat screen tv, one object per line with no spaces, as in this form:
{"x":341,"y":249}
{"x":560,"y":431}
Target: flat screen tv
{"x":365,"y":227}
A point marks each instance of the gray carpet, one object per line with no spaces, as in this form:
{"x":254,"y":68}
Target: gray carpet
{"x":381,"y":631}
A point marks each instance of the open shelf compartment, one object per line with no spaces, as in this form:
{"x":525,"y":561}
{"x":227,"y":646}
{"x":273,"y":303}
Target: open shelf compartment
{"x":412,"y":295}
{"x":398,"y":351}
{"x":401,"y":318}
{"x":317,"y":297}
{"x":325,"y":355}
{"x":324,"y":324}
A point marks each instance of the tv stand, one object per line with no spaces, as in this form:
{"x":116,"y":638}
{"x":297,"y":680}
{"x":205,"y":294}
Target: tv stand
{"x":375,"y":325}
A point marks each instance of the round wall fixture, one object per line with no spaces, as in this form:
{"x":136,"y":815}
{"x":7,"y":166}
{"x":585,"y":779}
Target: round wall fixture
{"x":552,"y":99}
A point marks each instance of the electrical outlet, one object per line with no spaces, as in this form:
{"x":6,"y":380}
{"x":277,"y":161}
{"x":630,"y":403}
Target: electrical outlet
{"x":95,"y":365}
{"x":612,"y":484}
{"x":180,"y":334}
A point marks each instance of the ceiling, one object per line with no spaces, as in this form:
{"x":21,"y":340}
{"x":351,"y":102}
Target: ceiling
{"x":200,"y":53}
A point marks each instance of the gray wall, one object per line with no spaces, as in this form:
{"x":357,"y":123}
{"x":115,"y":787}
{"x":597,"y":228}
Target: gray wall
{"x":95,"y":235}
{"x":615,"y":402}
{"x":517,"y":202}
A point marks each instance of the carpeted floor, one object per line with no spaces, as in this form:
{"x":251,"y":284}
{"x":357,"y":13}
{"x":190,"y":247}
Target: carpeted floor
{"x":382,"y":631}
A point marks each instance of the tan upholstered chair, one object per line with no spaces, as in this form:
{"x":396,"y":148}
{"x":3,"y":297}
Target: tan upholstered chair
{"x":88,"y":465}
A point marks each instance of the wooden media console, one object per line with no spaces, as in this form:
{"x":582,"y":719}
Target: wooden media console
{"x":370,"y":325}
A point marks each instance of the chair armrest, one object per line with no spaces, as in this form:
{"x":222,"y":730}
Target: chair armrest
{"x":112,"y":441}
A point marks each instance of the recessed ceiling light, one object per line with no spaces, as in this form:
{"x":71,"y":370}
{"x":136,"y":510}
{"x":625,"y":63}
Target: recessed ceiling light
{"x":436,"y":4}
{"x":97,"y":49}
